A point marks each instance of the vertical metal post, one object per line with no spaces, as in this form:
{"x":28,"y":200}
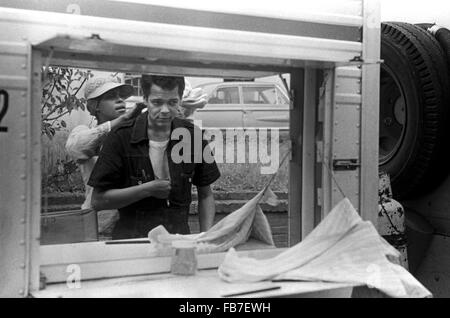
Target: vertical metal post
{"x":34,"y":170}
{"x":370,"y":87}
{"x":295,"y":165}
{"x":327,"y":143}
{"x":309,"y":152}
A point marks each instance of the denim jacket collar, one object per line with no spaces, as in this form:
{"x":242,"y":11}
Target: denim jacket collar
{"x":140,"y":127}
{"x":139,"y":132}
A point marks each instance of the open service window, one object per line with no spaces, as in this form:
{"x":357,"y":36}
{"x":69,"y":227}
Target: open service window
{"x":79,"y":240}
{"x":292,"y":110}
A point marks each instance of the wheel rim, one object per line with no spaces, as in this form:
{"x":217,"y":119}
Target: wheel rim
{"x":393,"y":114}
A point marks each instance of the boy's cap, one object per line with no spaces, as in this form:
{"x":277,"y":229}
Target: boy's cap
{"x":97,"y":86}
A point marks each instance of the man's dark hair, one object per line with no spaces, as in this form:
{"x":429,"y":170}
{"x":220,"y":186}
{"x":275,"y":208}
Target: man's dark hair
{"x":165,"y":82}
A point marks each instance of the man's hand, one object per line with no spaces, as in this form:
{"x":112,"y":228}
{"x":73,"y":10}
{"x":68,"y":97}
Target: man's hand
{"x":119,"y":198}
{"x":157,"y":188}
{"x":135,"y":111}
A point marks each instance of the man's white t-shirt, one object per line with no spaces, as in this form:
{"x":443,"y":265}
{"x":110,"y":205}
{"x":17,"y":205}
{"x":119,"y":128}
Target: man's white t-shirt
{"x":158,"y":158}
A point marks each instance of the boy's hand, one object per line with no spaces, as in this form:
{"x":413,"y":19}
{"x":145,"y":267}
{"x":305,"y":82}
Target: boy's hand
{"x":135,"y":111}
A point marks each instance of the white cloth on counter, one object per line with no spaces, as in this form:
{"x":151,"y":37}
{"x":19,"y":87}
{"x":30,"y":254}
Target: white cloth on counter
{"x":342,"y":248}
{"x":236,"y":228}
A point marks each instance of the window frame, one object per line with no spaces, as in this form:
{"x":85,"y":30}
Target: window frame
{"x":299,"y":52}
{"x":113,"y":264}
{"x":98,"y":260}
{"x":132,"y":78}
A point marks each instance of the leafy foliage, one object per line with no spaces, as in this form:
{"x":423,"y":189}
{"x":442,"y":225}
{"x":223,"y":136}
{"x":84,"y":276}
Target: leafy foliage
{"x":59,"y":96}
{"x":64,"y":177}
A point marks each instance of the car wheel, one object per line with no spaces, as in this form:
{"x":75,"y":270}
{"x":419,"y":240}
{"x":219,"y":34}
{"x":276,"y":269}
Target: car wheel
{"x":413,"y":109}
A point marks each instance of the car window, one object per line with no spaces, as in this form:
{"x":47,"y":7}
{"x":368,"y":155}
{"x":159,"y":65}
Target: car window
{"x":260,"y":95}
{"x":225,"y":95}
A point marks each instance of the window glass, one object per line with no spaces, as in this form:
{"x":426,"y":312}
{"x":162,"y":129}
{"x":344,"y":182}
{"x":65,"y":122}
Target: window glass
{"x":225,"y":95}
{"x":135,"y":82}
{"x":67,"y":215}
{"x":259,"y":95}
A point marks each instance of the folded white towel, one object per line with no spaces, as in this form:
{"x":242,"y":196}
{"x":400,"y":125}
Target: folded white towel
{"x":236,"y":228}
{"x":342,"y":248}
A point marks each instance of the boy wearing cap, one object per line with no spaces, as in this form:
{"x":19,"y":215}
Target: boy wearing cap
{"x":193,"y":99}
{"x":138,"y":174}
{"x":105,"y":101}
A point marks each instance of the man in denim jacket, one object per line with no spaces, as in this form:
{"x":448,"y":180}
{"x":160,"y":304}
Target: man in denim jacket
{"x":142,"y":172}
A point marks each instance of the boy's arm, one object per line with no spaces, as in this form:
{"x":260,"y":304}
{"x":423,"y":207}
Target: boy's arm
{"x":84,"y":142}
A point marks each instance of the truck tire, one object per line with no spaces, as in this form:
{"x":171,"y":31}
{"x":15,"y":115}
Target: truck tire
{"x":414,"y":97}
{"x":442,"y":35}
{"x":424,"y":25}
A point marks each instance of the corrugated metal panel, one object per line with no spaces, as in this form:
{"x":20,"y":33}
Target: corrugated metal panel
{"x":13,"y":175}
{"x":349,"y":184}
{"x":256,"y":20}
{"x":176,"y":45}
{"x":346,"y":143}
{"x":346,"y":131}
{"x":343,"y":12}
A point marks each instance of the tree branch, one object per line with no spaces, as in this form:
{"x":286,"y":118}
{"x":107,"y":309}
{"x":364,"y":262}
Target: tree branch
{"x":61,"y":106}
{"x":85,"y":79}
{"x":49,"y":95}
{"x":46,"y":117}
{"x":58,"y":116}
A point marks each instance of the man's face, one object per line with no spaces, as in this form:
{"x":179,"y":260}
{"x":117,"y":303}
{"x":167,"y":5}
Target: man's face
{"x":162,"y":106}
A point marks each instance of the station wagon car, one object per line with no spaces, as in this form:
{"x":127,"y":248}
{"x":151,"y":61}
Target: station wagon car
{"x":244,"y":105}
